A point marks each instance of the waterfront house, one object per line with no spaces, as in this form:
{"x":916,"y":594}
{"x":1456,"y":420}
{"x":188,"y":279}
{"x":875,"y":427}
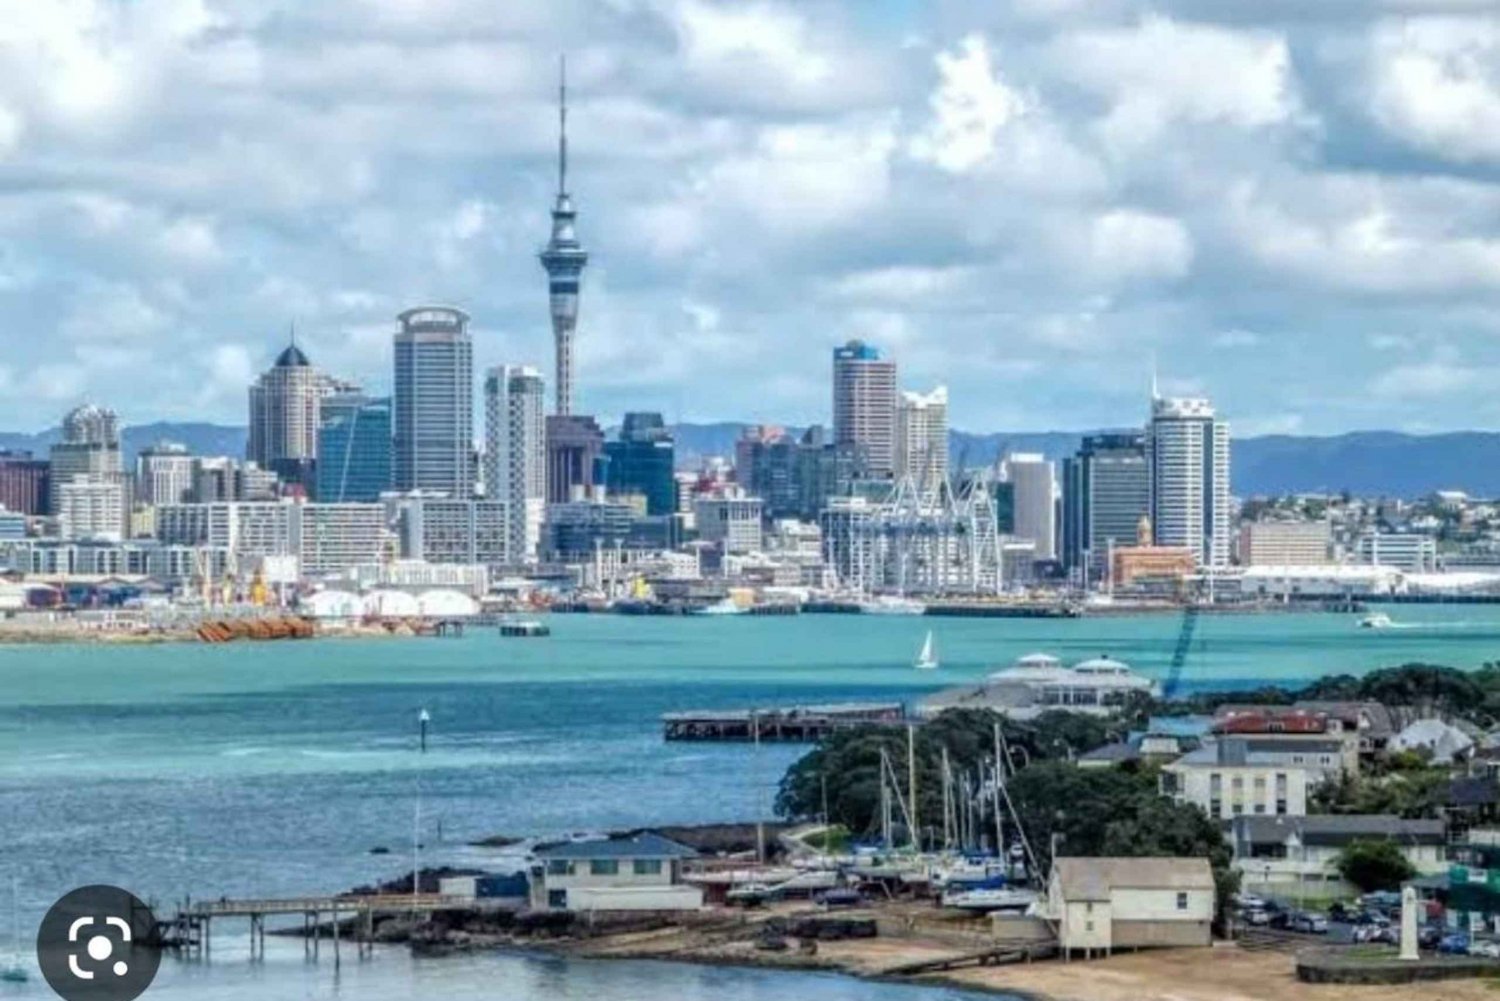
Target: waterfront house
{"x":642,"y":872}
{"x":1372,"y":721}
{"x":1229,"y":778}
{"x":1439,"y":742}
{"x":1102,"y":904}
{"x":1287,"y":856}
{"x":1307,"y":735}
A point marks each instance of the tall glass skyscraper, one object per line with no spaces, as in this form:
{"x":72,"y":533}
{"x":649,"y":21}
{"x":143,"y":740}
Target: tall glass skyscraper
{"x":1188,"y":448}
{"x":641,"y":462}
{"x":354,"y":448}
{"x":515,"y":455}
{"x":433,"y":408}
{"x":864,"y":405}
{"x":1106,"y":489}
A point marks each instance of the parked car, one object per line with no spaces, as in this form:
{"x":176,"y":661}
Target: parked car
{"x":1428,"y":936}
{"x":1486,"y":950}
{"x":1250,"y":902}
{"x":1341,"y":912}
{"x":1257,"y":917}
{"x":1309,"y":924}
{"x":1376,"y":933}
{"x":841,"y":898}
{"x":1454,"y":944}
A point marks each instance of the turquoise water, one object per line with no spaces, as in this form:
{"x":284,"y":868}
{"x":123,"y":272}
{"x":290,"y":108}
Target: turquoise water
{"x":272,"y":769}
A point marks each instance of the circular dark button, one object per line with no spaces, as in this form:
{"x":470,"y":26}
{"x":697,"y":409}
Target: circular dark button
{"x":98,"y":944}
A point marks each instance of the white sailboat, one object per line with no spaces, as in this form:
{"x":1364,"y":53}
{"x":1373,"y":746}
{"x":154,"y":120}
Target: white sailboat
{"x":927,"y":660}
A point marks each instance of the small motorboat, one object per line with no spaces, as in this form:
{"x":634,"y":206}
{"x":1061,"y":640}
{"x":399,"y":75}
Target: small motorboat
{"x":890,"y":604}
{"x":989,"y":899}
{"x":927,"y":659}
{"x":1379,"y":620}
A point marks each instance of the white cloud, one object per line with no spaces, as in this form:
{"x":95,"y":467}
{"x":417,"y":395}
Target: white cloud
{"x":1427,"y":380}
{"x":1436,"y":85}
{"x":1162,"y":72}
{"x":1237,"y":338}
{"x":1128,"y":243}
{"x":969,"y":109}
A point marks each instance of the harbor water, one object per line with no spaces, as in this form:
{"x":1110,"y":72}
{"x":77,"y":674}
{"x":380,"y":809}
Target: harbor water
{"x":275,"y":768}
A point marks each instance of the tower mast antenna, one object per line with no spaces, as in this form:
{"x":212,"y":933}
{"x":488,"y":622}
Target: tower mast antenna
{"x":562,"y":125}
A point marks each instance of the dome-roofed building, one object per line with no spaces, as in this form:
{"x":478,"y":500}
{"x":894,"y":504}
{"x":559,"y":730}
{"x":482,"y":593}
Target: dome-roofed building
{"x":285,"y":413}
{"x":292,"y":357}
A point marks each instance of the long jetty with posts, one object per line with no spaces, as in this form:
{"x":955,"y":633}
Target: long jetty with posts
{"x":794,"y":724}
{"x":191,"y":928}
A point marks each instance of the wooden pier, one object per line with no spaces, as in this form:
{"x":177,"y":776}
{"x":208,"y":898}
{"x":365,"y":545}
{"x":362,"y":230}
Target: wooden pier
{"x":796,"y":724}
{"x":191,"y":928}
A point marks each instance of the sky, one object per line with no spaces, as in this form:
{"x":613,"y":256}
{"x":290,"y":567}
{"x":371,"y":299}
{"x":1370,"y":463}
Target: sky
{"x":1290,"y":207}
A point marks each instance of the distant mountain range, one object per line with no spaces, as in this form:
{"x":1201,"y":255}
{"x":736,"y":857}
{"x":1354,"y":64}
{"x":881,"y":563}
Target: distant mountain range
{"x":1368,"y":463}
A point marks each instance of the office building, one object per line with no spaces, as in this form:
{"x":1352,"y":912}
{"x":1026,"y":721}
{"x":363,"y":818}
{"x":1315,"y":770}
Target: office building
{"x":641,"y":462}
{"x":163,"y":474}
{"x":443,"y":530}
{"x":922,"y":438}
{"x":575,"y":446}
{"x":1285,"y":543}
{"x":284,"y":408}
{"x":563,"y":259}
{"x":354,"y":448}
{"x":433,"y":408}
{"x":1406,"y":551}
{"x":580,"y":531}
{"x":93,"y":507}
{"x":1034,"y":482}
{"x":25,"y":482}
{"x":864,"y":405}
{"x":1187,"y":446}
{"x":325,"y":538}
{"x":90,"y":447}
{"x":1106,"y":492}
{"x":516,"y":453}
{"x":12,"y":525}
{"x":733,"y":523}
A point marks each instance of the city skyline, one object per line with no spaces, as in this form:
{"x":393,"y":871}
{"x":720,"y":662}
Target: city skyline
{"x":991,"y":197}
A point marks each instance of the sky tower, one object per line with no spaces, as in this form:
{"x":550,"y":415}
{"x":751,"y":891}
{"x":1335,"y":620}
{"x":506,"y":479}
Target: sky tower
{"x":563,"y":259}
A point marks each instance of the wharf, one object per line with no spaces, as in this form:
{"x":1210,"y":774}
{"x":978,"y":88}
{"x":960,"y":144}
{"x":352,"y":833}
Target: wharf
{"x":1004,"y":610}
{"x":191,"y":928}
{"x":795,"y":724}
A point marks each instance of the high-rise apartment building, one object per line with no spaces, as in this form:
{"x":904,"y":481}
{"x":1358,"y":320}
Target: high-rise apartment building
{"x":922,"y":438}
{"x":433,"y":408}
{"x":1034,"y":484}
{"x":440,"y":530}
{"x":1106,"y":490}
{"x":563,"y":259}
{"x":515,"y":434}
{"x":92,"y":507}
{"x":575,"y":445}
{"x":864,"y":405}
{"x":641,"y":462}
{"x":1285,"y":543}
{"x":25,"y":482}
{"x":354,"y":448}
{"x":90,"y":446}
{"x":1187,"y":446}
{"x":163,"y":474}
{"x":284,"y":414}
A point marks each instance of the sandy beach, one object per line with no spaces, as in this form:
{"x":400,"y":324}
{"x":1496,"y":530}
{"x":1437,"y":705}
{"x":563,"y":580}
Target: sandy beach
{"x":1222,"y":973}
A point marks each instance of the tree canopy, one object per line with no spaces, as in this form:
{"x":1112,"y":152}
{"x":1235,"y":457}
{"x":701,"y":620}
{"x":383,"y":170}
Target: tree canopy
{"x":1374,"y":865}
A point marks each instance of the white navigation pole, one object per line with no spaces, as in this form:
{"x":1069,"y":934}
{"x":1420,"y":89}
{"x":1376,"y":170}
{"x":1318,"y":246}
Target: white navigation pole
{"x":1409,"y":924}
{"x":423,"y":719}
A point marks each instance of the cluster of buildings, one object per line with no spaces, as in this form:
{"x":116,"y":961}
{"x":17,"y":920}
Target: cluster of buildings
{"x":336,"y":478}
